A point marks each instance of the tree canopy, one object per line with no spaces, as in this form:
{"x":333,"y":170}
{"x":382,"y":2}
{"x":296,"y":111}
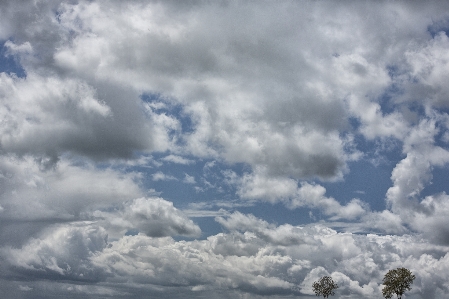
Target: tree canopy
{"x":325,"y":286}
{"x":397,"y":281}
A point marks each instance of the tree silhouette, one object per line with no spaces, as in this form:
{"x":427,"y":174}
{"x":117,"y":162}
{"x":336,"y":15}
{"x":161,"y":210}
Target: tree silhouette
{"x":397,"y":281}
{"x":325,"y":286}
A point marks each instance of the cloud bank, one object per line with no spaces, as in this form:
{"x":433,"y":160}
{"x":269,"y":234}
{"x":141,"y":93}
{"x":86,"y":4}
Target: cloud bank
{"x":120,"y":120}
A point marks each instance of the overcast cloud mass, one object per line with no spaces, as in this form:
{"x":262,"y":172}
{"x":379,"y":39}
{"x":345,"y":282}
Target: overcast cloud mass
{"x":222,"y":149}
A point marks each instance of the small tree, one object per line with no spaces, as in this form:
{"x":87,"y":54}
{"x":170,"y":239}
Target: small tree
{"x":397,"y":281}
{"x":325,"y":286}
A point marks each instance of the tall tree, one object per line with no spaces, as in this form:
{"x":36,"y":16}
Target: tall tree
{"x":397,"y":281}
{"x":325,"y":286}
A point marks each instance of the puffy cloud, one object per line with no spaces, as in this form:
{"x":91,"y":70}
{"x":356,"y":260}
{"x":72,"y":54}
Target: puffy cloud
{"x":160,"y":176}
{"x":189,"y":179}
{"x":31,"y":191}
{"x":34,"y":196}
{"x":260,"y":186}
{"x":48,"y":116}
{"x":241,"y":261}
{"x":428,"y":65}
{"x":62,"y":251}
{"x":384,"y":221}
{"x":286,"y":90}
{"x":230,"y":105}
{"x":290,"y":150}
{"x":154,"y":217}
{"x":412,"y":174}
{"x":269,"y":94}
{"x":282,"y":235}
{"x":177,"y":160}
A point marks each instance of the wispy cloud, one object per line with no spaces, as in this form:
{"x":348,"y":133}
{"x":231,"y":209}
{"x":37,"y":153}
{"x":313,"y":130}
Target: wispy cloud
{"x":160,"y":176}
{"x":177,"y":160}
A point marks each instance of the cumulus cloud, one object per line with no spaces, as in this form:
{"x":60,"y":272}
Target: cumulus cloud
{"x":189,"y":179}
{"x":259,"y":186}
{"x":230,"y":103}
{"x":177,"y":160}
{"x":160,"y":176}
{"x":33,"y":196}
{"x":30,"y":191}
{"x":428,"y":69}
{"x":241,"y":261}
{"x":412,"y":174}
{"x":283,"y":95}
{"x":62,"y":251}
{"x":154,"y":217}
{"x":231,"y":108}
{"x":48,"y":116}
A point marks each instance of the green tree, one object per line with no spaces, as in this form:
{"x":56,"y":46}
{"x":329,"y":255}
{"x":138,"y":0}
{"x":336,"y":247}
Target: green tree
{"x":397,"y":281}
{"x":325,"y":286}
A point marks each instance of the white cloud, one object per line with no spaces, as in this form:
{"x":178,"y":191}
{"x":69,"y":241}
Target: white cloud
{"x":62,"y":251}
{"x":412,"y":175}
{"x":67,"y":191}
{"x":384,"y":221}
{"x":189,"y":179}
{"x":177,"y":160}
{"x":285,"y":89}
{"x":253,"y":258}
{"x":259,"y":186}
{"x":48,"y":116}
{"x":429,"y":70}
{"x":314,"y":88}
{"x":153,"y":216}
{"x":14,"y":49}
{"x":25,"y":288}
{"x":231,"y":106}
{"x":160,"y":176}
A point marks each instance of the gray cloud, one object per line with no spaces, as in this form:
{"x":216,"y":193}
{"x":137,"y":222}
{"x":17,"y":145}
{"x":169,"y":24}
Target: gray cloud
{"x":60,"y":252}
{"x":33,"y":198}
{"x":228,"y":80}
{"x":65,"y":192}
{"x":47,"y":116}
{"x":287,"y":89}
{"x":235,"y":263}
{"x":412,"y":174}
{"x":153,"y":216}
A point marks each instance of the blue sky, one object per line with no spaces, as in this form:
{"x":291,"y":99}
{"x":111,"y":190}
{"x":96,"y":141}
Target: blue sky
{"x":233,"y":149}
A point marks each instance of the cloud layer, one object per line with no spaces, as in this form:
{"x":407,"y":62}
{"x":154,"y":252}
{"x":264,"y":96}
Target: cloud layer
{"x":253,"y":257}
{"x":122,"y":119}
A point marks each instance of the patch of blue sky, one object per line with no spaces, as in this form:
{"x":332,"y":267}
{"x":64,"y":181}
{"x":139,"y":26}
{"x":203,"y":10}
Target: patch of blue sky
{"x":9,"y":63}
{"x":354,"y":123}
{"x":202,"y":181}
{"x":192,"y":182}
{"x":438,"y":26}
{"x":212,"y":192}
{"x":165,"y":105}
{"x":132,"y":232}
{"x":439,"y":182}
{"x":386,"y":99}
{"x":209,"y":226}
{"x":366,"y":181}
{"x":442,"y":136}
{"x":368,"y":178}
{"x":279,"y":214}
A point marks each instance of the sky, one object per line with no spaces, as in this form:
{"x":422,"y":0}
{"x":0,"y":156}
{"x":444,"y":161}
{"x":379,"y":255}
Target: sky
{"x":222,"y":149}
